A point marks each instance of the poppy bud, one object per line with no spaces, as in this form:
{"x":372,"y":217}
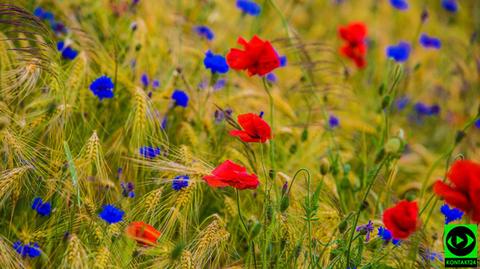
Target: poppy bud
{"x":324,"y":166}
{"x":459,"y":136}
{"x":285,"y":202}
{"x":271,"y":174}
{"x":51,"y":107}
{"x":304,"y":135}
{"x":385,"y":102}
{"x":410,"y":197}
{"x":364,"y":205}
{"x":393,"y":145}
{"x":381,"y":89}
{"x":293,"y":149}
{"x":380,"y":155}
{"x":342,"y":226}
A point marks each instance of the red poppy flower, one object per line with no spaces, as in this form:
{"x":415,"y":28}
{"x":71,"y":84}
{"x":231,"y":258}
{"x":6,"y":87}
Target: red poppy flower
{"x":255,"y":129}
{"x":143,"y":233}
{"x":356,"y":53}
{"x":257,"y":56}
{"x":401,"y":219}
{"x":232,"y":174}
{"x":464,"y":191}
{"x":354,"y":35}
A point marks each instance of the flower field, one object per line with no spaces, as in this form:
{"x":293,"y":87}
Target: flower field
{"x":237,"y":133}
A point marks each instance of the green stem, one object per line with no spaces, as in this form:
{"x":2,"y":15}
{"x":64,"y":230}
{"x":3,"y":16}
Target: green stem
{"x":357,"y":215}
{"x":246,"y":230}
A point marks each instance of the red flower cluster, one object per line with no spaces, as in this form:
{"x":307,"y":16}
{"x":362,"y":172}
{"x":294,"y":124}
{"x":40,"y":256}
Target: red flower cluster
{"x":143,"y":233}
{"x":232,"y":174}
{"x":354,"y":35}
{"x":402,"y":219}
{"x":255,"y":128}
{"x":258,"y":57}
{"x":464,"y":192}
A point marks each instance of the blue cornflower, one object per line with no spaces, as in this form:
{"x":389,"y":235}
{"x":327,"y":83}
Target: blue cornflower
{"x":215,"y":62}
{"x":155,"y":84}
{"x":219,"y":84}
{"x":249,"y":7}
{"x":477,"y":124}
{"x":333,"y":121}
{"x":386,"y":236}
{"x":164,"y":123}
{"x":180,"y":182}
{"x":450,"y":5}
{"x":128,"y":189}
{"x":271,"y":78}
{"x":221,"y":115}
{"x":180,"y":98}
{"x":102,"y":87}
{"x":399,"y":52}
{"x":38,"y":12}
{"x":283,"y":60}
{"x":367,"y":229}
{"x":205,"y":32}
{"x":111,"y":214}
{"x":429,"y":255}
{"x":149,"y":152}
{"x":43,"y":209}
{"x":44,"y":15}
{"x":399,"y":4}
{"x":144,"y":79}
{"x":424,"y":110}
{"x":451,"y":214}
{"x":31,"y":250}
{"x":67,"y":52}
{"x":119,"y":172}
{"x":430,"y":42}
{"x":402,"y":102}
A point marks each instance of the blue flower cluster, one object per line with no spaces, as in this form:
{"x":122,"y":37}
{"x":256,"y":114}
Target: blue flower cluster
{"x":67,"y":52}
{"x":180,"y":98}
{"x":205,"y":32}
{"x":111,"y":214}
{"x":399,"y":52}
{"x":30,"y":250}
{"x":451,"y":214}
{"x":386,"y":236}
{"x":127,"y":189}
{"x":425,"y":110}
{"x":215,"y":62}
{"x":180,"y":182}
{"x":102,"y":87}
{"x":430,"y":42}
{"x":249,"y":7}
{"x":56,"y":26}
{"x":333,"y":121}
{"x":146,"y":82}
{"x":149,"y":152}
{"x":366,"y":229}
{"x":450,"y":5}
{"x":220,"y":115}
{"x":43,"y":209}
{"x":399,"y":4}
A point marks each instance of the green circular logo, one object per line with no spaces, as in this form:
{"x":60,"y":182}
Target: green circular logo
{"x":460,"y":241}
